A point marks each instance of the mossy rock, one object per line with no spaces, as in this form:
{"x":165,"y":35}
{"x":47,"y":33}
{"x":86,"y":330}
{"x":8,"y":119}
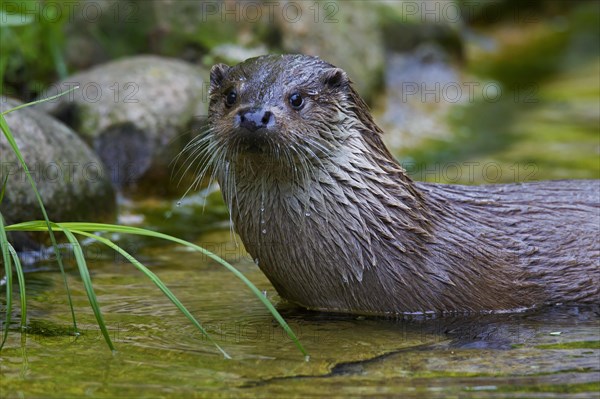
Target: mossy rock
{"x":135,"y":113}
{"x":70,"y":178}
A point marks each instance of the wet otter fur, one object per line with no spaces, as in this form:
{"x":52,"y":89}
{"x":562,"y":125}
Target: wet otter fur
{"x":335,"y":223}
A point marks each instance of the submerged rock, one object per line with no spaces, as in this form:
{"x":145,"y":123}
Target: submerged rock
{"x":133,"y":113}
{"x":70,"y":178}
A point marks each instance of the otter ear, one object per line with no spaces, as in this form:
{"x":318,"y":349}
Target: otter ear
{"x":334,"y":78}
{"x":217,"y":74}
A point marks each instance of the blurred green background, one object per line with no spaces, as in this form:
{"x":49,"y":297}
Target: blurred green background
{"x":540,"y":58}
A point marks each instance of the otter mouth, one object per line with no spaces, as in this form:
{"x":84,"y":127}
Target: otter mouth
{"x":257,"y":141}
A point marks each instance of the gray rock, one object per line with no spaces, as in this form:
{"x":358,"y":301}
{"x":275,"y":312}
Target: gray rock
{"x":133,"y":113}
{"x":346,"y":34}
{"x":422,"y":88}
{"x":70,"y":178}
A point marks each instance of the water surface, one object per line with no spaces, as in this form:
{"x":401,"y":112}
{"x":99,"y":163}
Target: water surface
{"x":160,"y":354}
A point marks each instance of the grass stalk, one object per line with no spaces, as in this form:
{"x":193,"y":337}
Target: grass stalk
{"x":9,"y":255}
{"x":81,"y":227}
{"x":4,"y":244}
{"x":11,"y":141}
{"x":154,"y":278}
{"x":87,"y":282}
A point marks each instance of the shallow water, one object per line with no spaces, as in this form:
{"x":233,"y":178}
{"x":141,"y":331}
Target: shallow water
{"x":160,"y":354}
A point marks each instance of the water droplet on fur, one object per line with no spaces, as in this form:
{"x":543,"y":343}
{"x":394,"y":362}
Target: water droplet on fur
{"x":264,"y":231}
{"x":178,"y":203}
{"x":307,"y":214}
{"x":262,"y":209}
{"x":262,"y":222}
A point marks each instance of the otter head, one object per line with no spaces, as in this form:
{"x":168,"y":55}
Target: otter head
{"x":275,"y":109}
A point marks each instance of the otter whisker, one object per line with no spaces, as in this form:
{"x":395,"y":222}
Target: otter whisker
{"x":311,"y":157}
{"x":202,"y":172}
{"x":205,"y":158}
{"x":231,"y":189}
{"x":182,"y":167}
{"x":289,"y":162}
{"x":194,"y":148}
{"x":303,"y":174}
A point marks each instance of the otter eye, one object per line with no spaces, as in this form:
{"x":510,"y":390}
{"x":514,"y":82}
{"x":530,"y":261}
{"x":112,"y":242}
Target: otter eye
{"x":296,"y":100}
{"x":231,"y":98}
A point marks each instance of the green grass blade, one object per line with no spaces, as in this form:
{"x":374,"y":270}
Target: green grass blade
{"x":39,"y":101}
{"x":87,"y":282}
{"x":8,"y":272}
{"x":82,"y":226}
{"x":21,"y":280}
{"x":9,"y":137}
{"x":154,"y":278}
{"x":2,"y":191}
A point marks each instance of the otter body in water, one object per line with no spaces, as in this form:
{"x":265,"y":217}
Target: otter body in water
{"x":334,"y":222}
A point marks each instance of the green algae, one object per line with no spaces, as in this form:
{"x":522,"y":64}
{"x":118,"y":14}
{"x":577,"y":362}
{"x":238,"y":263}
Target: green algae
{"x":572,"y":345}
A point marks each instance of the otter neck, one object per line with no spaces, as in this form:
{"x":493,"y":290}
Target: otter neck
{"x":316,"y":188}
{"x":315,"y":234}
{"x":354,"y":222}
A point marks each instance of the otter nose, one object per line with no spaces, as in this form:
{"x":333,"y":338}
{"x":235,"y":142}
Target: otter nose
{"x":254,"y":119}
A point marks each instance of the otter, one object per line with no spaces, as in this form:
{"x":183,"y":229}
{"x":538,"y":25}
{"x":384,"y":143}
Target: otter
{"x":335,"y":223}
